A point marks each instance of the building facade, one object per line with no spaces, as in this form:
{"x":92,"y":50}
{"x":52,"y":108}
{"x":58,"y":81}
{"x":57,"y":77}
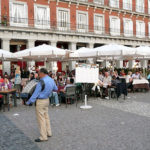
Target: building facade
{"x":71,"y":24}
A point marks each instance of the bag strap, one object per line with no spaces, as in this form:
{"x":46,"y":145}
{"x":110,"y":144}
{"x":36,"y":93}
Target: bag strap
{"x":42,"y":85}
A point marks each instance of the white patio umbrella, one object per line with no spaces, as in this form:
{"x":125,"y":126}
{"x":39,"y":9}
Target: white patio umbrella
{"x":5,"y":55}
{"x":42,"y":52}
{"x":113,"y":50}
{"x":83,"y":53}
{"x":143,"y":51}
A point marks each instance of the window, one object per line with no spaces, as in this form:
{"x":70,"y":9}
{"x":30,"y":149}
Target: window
{"x":140,"y":29}
{"x":63,"y":19}
{"x":82,"y":21}
{"x":149,"y":6}
{"x":114,"y":3}
{"x":127,"y":4}
{"x":101,"y":2}
{"x":42,"y":16}
{"x":140,"y":6}
{"x":18,"y":14}
{"x":128,"y":27}
{"x":99,"y":24}
{"x":114,"y":25}
{"x":149,"y":29}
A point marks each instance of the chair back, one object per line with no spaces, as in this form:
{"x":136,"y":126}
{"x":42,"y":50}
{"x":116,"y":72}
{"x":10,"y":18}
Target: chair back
{"x":71,"y":91}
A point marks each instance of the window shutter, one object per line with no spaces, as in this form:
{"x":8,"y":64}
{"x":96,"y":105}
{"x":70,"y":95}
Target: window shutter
{"x":137,"y":29}
{"x":149,"y":29}
{"x":118,"y":26}
{"x":131,"y":28}
{"x":125,"y":4}
{"x":48,"y":17}
{"x":137,"y":5}
{"x":35,"y":14}
{"x":143,"y":29}
{"x":26,"y":13}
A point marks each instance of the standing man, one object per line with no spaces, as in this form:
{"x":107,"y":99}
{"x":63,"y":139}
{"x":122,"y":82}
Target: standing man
{"x":41,"y":97}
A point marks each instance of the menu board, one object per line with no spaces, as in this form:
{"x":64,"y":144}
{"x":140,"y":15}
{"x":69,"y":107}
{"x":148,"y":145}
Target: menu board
{"x":86,"y":73}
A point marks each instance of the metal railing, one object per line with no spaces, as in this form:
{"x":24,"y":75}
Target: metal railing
{"x":71,"y":28}
{"x":129,"y":6}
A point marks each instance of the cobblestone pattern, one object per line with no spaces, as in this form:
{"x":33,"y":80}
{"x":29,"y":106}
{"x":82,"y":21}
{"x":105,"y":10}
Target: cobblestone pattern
{"x":11,"y":138}
{"x":109,"y":125}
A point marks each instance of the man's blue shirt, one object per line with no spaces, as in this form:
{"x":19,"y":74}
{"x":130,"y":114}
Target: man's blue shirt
{"x":39,"y":94}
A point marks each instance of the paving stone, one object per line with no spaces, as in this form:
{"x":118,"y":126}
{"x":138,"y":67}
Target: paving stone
{"x":109,"y":125}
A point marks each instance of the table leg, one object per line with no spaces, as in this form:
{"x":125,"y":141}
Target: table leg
{"x":7,"y":101}
{"x":15,"y":99}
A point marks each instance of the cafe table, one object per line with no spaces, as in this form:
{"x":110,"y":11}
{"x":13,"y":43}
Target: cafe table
{"x":140,"y":84}
{"x":7,"y":93}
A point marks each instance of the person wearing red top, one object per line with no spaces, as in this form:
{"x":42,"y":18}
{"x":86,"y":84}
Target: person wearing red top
{"x":1,"y":80}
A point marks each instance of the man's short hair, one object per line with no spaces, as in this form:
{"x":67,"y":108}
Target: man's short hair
{"x":44,"y":70}
{"x":71,"y":80}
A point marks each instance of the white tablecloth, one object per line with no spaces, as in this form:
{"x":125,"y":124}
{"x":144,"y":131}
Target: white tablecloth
{"x":140,"y":81}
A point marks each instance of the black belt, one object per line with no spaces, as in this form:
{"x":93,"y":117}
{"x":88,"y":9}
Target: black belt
{"x":41,"y":98}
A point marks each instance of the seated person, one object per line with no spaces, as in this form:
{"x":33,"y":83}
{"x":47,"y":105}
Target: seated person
{"x":122,"y":73}
{"x":107,"y":80}
{"x":1,"y":80}
{"x":54,"y":96}
{"x":101,"y":77}
{"x":136,"y":75}
{"x":148,"y":78}
{"x":106,"y":83}
{"x":62,"y":91}
{"x":70,"y":84}
{"x":7,"y":84}
{"x":114,"y":81}
{"x":129,"y":80}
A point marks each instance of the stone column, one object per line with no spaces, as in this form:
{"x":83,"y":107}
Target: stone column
{"x":53,"y":43}
{"x":131,"y":64}
{"x":72,"y":46}
{"x":90,"y":60}
{"x":105,"y":63}
{"x":6,"y":64}
{"x":119,"y":64}
{"x":144,"y":64}
{"x":52,"y":65}
{"x":31,"y":44}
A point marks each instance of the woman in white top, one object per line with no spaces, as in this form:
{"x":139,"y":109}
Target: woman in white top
{"x":129,"y":80}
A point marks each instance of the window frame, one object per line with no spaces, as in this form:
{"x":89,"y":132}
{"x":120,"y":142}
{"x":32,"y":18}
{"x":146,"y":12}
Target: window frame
{"x":68,"y":23}
{"x":111,"y":3}
{"x":127,"y":34}
{"x":47,"y":26}
{"x":101,"y":2}
{"x":128,"y":7}
{"x":114,"y":33}
{"x":143,"y":33}
{"x":138,"y":7}
{"x":77,"y":21}
{"x":10,"y":13}
{"x":103,"y":24}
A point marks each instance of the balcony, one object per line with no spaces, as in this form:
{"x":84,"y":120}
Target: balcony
{"x":115,"y":6}
{"x":73,"y":29}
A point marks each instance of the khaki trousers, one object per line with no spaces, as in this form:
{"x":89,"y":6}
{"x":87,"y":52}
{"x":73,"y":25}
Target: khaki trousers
{"x":43,"y":118}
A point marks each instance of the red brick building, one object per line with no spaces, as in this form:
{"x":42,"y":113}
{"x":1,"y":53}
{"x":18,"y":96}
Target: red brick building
{"x":71,"y":24}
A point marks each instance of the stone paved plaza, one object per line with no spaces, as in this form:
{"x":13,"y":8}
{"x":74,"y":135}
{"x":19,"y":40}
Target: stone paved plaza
{"x":109,"y":125}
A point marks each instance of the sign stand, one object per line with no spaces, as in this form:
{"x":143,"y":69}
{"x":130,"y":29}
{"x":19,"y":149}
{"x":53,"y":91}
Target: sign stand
{"x":85,"y":106}
{"x":86,"y":73}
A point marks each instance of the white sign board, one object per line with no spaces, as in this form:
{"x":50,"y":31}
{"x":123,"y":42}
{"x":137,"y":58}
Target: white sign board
{"x":87,"y":73}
